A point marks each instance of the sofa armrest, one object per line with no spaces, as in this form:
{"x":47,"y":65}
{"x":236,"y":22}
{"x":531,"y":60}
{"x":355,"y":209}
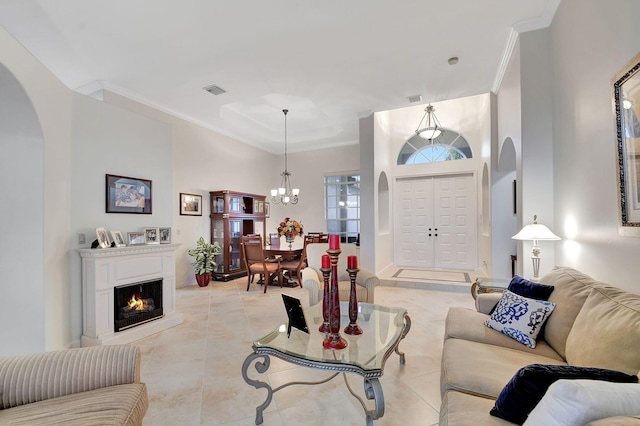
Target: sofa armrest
{"x":26,"y":379}
{"x":486,"y":301}
{"x":369,"y":281}
{"x":311,"y":281}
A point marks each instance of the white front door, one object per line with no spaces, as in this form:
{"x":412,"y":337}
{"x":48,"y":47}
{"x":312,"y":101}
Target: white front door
{"x":436,"y":222}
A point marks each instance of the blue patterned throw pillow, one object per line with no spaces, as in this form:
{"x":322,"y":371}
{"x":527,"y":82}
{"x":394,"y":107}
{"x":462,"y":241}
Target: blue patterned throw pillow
{"x":519,"y":317}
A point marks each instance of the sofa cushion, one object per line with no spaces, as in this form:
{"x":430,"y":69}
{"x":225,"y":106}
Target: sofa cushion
{"x":462,"y":409}
{"x":526,"y":288}
{"x":527,"y":387}
{"x":520,"y":317}
{"x":610,"y":322}
{"x":112,"y":405}
{"x":482,"y":369}
{"x":571,"y":290}
{"x":617,"y":421}
{"x":464,"y":323}
{"x":578,"y":402}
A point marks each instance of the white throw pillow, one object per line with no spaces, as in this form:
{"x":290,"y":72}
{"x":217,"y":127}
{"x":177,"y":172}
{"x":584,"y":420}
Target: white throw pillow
{"x":578,"y":402}
{"x":519,"y":317}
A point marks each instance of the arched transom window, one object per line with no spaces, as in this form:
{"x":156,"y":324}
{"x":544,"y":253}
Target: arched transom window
{"x":448,"y":146}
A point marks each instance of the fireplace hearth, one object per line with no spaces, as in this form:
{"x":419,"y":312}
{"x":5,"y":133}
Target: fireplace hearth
{"x":136,"y":304}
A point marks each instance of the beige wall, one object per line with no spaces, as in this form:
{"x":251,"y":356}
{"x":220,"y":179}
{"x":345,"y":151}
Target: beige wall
{"x":52,"y":286}
{"x":585,"y":186}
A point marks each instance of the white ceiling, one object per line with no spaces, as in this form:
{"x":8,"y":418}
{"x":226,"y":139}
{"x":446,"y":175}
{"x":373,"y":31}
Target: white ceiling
{"x":329,"y":62}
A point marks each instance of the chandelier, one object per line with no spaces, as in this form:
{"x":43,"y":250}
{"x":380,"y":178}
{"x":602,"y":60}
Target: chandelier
{"x":285,"y":194}
{"x":432,"y":128}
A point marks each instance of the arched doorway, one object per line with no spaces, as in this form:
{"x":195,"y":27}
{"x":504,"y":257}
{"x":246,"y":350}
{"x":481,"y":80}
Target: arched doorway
{"x":21,"y":219}
{"x":504,"y":210}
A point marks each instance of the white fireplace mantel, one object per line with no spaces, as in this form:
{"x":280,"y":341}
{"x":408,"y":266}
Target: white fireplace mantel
{"x":104,"y":269}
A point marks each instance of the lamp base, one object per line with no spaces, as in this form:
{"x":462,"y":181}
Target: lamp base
{"x":536,"y":267}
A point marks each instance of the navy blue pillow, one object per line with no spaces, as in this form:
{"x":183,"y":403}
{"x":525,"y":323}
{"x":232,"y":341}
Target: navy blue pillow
{"x":527,"y":387}
{"x":526,"y":288}
{"x":530,"y":289}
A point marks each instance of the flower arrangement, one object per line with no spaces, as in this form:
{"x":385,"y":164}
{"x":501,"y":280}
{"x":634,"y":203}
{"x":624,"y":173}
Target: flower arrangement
{"x":291,"y":227}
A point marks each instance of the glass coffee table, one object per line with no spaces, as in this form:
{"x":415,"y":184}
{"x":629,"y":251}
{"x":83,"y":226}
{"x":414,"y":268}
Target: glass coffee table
{"x":383,"y":329}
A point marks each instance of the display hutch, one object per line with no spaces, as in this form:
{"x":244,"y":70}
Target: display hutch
{"x":234,"y":214}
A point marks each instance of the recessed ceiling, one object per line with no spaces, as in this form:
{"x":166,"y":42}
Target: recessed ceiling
{"x":328,"y":62}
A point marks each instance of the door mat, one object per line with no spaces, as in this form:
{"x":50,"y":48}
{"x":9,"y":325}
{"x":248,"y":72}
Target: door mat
{"x":428,"y":275}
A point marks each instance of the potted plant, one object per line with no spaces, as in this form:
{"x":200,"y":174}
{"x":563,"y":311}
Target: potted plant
{"x":204,"y":260}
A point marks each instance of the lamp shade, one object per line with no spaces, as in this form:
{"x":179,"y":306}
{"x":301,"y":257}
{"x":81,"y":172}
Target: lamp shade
{"x":535,"y":231}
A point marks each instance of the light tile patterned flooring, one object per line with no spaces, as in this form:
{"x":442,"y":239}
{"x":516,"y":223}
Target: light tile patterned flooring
{"x":193,"y":371}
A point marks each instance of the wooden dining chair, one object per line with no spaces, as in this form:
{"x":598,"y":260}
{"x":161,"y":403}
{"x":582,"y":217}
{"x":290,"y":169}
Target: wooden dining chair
{"x":297,"y":265}
{"x":256,"y":262}
{"x":252,"y":237}
{"x":317,"y":237}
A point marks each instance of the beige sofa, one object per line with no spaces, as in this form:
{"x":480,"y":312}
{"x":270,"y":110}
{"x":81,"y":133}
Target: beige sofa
{"x":593,"y":324}
{"x":312,"y":278}
{"x":86,"y":386}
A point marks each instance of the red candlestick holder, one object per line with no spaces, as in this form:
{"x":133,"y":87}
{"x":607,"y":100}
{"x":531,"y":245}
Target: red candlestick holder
{"x":324,"y":328}
{"x":353,"y":327}
{"x":333,"y":340}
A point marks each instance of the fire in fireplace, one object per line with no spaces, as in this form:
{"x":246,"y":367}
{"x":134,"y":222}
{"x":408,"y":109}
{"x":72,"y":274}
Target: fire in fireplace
{"x":136,"y":304}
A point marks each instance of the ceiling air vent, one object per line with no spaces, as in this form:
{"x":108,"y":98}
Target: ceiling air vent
{"x":414,"y":98}
{"x":216,"y":90}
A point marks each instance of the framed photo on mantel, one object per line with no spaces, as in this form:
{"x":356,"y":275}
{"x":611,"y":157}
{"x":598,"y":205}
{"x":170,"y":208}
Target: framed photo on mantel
{"x":128,"y":195}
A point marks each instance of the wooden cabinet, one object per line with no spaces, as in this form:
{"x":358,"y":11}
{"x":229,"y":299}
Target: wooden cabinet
{"x":234,"y":214}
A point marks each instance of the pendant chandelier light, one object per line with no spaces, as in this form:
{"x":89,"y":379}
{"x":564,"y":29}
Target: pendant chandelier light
{"x":285,"y":194}
{"x":432,"y":128}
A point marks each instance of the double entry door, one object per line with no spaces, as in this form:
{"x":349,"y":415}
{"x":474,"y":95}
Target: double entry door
{"x":436,"y":222}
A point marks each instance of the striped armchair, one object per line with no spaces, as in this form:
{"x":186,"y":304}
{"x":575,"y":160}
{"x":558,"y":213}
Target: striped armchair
{"x":84,"y":386}
{"x":312,"y":277}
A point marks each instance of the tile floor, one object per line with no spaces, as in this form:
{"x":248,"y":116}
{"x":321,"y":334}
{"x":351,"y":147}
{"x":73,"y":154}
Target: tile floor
{"x":193,"y":371}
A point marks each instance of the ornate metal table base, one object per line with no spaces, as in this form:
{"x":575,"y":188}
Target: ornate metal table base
{"x":372,"y":387}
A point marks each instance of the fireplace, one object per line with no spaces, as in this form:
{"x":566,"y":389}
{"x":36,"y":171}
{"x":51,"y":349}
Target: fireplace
{"x":105,"y":271}
{"x":136,"y":304}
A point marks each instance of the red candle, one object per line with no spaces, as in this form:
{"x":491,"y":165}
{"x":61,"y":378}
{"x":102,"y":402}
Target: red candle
{"x":326,"y":262}
{"x":352,"y":262}
{"x":334,"y":242}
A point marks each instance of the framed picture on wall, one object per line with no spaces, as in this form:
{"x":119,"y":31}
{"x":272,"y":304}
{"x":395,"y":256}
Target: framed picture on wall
{"x":190,"y":204}
{"x":267,"y":209}
{"x":127,"y":195}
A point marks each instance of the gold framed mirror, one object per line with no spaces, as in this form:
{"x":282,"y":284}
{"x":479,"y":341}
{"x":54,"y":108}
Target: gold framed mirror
{"x":626,"y":98}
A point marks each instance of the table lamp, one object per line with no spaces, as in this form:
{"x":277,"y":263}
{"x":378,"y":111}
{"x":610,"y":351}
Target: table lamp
{"x":534,"y":232}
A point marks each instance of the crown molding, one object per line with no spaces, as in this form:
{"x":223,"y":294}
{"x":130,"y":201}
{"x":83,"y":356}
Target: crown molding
{"x":542,"y":21}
